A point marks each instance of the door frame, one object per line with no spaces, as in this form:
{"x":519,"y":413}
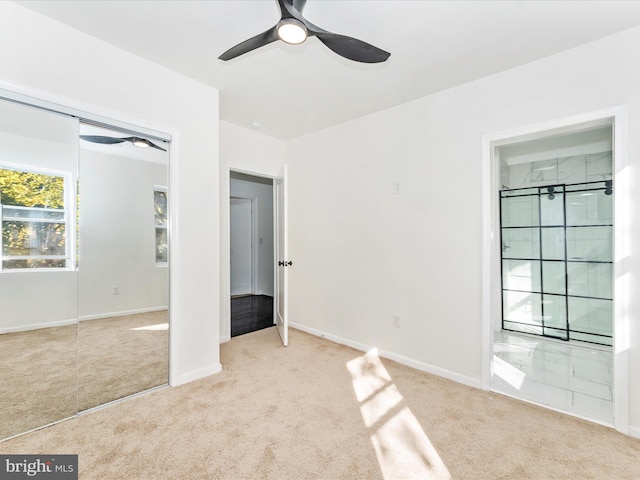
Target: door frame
{"x":225,"y":257}
{"x":254,"y":240}
{"x":281,"y":272}
{"x":491,"y":302}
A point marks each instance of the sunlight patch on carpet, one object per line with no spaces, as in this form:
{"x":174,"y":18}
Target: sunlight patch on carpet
{"x":401,"y":445}
{"x":158,"y":327}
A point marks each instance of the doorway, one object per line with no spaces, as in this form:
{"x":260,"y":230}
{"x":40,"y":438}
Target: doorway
{"x":242,"y":246}
{"x":553,"y":239}
{"x":251,"y":253}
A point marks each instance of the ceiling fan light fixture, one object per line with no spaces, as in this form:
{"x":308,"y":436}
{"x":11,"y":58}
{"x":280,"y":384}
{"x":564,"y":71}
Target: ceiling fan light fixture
{"x":291,"y":31}
{"x":141,"y":143}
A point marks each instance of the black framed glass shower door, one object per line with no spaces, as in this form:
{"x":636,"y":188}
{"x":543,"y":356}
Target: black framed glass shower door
{"x":557,"y":261}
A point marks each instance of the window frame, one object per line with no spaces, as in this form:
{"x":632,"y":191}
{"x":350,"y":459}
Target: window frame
{"x":68,"y":219}
{"x":156,"y":227}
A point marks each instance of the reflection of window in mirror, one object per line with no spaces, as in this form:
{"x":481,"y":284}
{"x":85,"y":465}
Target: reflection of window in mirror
{"x":160,"y":212}
{"x":35,"y":214}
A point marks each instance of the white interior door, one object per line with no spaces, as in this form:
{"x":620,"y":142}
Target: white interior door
{"x":241,"y":240}
{"x":282,"y":259}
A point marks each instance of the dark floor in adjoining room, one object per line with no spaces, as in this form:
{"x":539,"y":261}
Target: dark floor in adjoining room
{"x":250,"y":313}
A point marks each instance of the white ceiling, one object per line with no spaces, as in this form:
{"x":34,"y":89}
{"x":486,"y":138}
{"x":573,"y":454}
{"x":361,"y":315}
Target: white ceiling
{"x":293,"y":90}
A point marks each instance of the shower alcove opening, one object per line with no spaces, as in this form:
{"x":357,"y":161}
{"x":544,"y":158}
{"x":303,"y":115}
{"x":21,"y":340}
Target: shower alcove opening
{"x":552,"y":342}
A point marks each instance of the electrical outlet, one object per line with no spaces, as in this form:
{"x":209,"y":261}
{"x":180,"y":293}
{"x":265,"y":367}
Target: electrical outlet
{"x":395,"y":320}
{"x":116,"y":290}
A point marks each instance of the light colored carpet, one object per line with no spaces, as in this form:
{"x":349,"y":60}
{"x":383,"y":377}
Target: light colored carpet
{"x":38,"y":378}
{"x":46,"y":377}
{"x":120,"y":356}
{"x":320,"y":410}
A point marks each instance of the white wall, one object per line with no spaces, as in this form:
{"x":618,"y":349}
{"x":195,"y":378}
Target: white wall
{"x":261,"y":190}
{"x":250,"y":152}
{"x":117,"y":236}
{"x":56,"y":63}
{"x":363,"y":253}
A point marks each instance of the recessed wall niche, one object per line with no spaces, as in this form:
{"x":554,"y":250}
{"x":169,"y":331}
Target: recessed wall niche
{"x":555,"y":257}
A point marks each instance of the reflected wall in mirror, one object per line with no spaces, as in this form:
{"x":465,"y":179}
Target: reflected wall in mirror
{"x":123,"y":267}
{"x":38,"y":280}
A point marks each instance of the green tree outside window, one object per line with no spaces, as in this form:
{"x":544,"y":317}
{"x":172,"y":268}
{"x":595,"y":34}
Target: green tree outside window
{"x":33,"y":220}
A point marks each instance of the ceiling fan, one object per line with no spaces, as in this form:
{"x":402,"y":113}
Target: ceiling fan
{"x":293,"y":28}
{"x":137,"y":141}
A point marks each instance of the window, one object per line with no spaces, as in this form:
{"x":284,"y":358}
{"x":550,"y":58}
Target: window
{"x":161,"y":224}
{"x":35,"y":218}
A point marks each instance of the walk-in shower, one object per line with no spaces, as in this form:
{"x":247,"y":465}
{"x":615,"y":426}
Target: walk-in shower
{"x":553,"y":262}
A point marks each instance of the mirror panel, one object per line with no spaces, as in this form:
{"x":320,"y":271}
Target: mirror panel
{"x":38,"y":280}
{"x":123,"y":268}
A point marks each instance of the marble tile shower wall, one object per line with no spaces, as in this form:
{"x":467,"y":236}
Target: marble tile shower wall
{"x":566,"y":170}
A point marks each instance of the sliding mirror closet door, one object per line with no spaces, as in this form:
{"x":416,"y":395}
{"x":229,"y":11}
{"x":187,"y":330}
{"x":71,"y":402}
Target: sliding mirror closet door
{"x":38,"y":278}
{"x":123,"y":266}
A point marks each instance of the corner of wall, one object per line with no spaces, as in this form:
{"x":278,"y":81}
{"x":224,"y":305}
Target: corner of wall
{"x":396,"y":357}
{"x":197,"y":374}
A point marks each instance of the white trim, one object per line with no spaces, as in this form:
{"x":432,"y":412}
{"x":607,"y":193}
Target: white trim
{"x":84,"y":115}
{"x":621,"y":232}
{"x":123,"y":313}
{"x":224,"y":339}
{"x":618,"y":115}
{"x":25,"y":167}
{"x":175,"y":273}
{"x":396,"y":357}
{"x":196,"y":374}
{"x":69,"y":212}
{"x":634,"y":431}
{"x":35,"y":257}
{"x":38,"y":326}
{"x":16,"y":271}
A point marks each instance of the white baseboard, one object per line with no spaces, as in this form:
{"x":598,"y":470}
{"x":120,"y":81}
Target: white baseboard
{"x":37,"y":326}
{"x":196,"y":374}
{"x":123,"y":313}
{"x":634,"y":431}
{"x":396,"y":357}
{"x":506,"y":393}
{"x":62,"y":323}
{"x":224,"y":339}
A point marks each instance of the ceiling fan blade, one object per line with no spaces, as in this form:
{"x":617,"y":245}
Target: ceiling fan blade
{"x":102,"y":139}
{"x":352,"y":48}
{"x":299,"y":4}
{"x":113,"y":140}
{"x":255,"y":42}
